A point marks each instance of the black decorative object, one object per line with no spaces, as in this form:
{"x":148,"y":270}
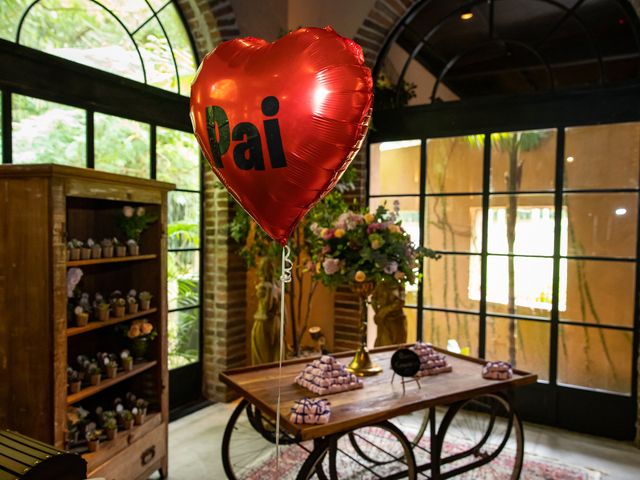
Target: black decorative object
{"x":405,"y":363}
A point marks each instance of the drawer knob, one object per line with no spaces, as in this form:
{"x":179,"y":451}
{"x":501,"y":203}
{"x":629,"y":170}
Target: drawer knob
{"x":148,"y":455}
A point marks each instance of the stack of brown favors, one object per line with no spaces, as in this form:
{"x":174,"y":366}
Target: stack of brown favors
{"x":431,"y":361}
{"x":326,"y":375}
{"x":497,"y":371}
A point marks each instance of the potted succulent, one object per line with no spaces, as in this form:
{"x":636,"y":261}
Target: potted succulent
{"x":73,"y":249}
{"x":127,"y":360}
{"x":119,"y":304}
{"x":126,"y":419}
{"x":76,"y":420}
{"x":73,"y":380}
{"x":94,"y":373}
{"x":133,"y":247}
{"x":101,"y":307}
{"x":96,"y":249}
{"x":93,"y":440}
{"x":140,"y":411}
{"x":121,"y":250}
{"x":145,"y":300}
{"x":111,"y":368}
{"x":85,"y":252}
{"x":110,"y":426}
{"x":107,"y":247}
{"x":82,"y":317}
{"x":132,"y":302}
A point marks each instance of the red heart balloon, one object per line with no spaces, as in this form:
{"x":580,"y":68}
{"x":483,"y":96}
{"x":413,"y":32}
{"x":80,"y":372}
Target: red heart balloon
{"x":280,"y":122}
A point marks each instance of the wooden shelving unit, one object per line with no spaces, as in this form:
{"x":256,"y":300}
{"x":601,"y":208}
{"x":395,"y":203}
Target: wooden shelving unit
{"x":100,"y":261}
{"x":109,"y":382}
{"x":71,"y":331}
{"x":47,"y":206}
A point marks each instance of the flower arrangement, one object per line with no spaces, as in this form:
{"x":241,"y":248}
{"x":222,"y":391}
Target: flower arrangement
{"x":361,"y":247}
{"x":133,"y":221}
{"x":140,"y":333}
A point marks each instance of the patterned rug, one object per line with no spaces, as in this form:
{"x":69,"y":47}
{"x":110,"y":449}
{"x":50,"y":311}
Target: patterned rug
{"x":535,"y":467}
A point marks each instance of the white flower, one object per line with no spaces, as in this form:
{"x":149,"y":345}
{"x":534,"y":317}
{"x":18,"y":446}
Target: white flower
{"x":140,"y":211}
{"x":90,"y":243}
{"x":128,"y":211}
{"x":132,"y":242}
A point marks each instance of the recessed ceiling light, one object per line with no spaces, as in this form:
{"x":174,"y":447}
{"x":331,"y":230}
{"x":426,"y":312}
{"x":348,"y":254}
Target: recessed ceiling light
{"x":621,"y":211}
{"x":570,"y":159}
{"x":467,"y":15}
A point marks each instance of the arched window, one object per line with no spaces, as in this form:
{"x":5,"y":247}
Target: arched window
{"x":143,"y":40}
{"x":104,"y":84}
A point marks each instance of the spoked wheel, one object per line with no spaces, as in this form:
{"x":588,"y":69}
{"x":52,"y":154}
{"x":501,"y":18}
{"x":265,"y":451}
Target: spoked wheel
{"x":374,"y":452}
{"x":482,"y":438}
{"x":249,"y":441}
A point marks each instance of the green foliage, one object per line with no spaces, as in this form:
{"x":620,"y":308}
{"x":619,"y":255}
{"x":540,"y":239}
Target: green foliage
{"x":385,"y":96}
{"x":134,"y":221}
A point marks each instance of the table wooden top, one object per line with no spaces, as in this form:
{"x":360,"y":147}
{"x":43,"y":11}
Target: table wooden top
{"x":379,"y":399}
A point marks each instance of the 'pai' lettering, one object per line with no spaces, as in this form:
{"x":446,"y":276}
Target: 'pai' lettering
{"x":247,"y":154}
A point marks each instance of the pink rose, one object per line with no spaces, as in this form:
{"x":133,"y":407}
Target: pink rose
{"x":331,"y":265}
{"x":128,"y":211}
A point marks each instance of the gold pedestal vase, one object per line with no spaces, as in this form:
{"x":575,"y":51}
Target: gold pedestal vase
{"x":362,"y":365}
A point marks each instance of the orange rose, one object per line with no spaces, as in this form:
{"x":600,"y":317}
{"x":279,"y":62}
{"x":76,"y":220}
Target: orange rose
{"x":339,"y":233}
{"x":147,"y":328}
{"x":134,"y":331}
{"x":369,"y":217}
{"x":360,"y":276}
{"x":395,"y":228}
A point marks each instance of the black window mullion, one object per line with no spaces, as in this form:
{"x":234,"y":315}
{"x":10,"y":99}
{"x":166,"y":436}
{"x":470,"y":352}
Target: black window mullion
{"x":7,"y":154}
{"x":557,"y":234}
{"x":90,"y":140}
{"x":152,"y":152}
{"x":421,"y":219}
{"x":486,"y":186}
{"x":636,"y":314}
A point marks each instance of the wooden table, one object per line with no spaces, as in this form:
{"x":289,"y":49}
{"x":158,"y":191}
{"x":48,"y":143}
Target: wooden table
{"x":379,"y":401}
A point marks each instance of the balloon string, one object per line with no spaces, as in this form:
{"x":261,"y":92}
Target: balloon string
{"x":285,"y":277}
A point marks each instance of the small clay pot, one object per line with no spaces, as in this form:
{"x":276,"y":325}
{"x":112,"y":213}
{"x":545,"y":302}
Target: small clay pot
{"x":121,"y":250}
{"x":74,"y":387}
{"x":145,"y":305}
{"x":133,"y":308}
{"x":82,"y":319}
{"x":111,"y":434}
{"x":74,"y":254}
{"x":96,"y":251}
{"x":127,"y":364}
{"x":107,"y":252}
{"x":112,"y":372}
{"x":103,"y":315}
{"x":85,"y":253}
{"x":94,"y":445}
{"x":138,"y":418}
{"x":134,"y":250}
{"x":95,"y":379}
{"x":127,"y":424}
{"x":118,"y":311}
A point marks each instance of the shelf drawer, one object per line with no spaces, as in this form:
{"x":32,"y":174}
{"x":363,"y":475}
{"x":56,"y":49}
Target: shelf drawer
{"x":138,"y":460}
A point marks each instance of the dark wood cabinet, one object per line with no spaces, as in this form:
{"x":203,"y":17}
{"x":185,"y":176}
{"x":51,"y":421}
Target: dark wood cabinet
{"x":41,"y":208}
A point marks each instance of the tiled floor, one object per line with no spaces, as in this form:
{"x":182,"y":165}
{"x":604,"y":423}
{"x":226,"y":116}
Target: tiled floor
{"x":194,"y":448}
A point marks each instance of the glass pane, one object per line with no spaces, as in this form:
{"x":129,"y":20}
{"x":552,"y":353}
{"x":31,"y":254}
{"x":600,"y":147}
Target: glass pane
{"x":453,"y":281}
{"x":178,"y":158}
{"x":158,"y":61}
{"x":525,"y":344}
{"x":441,"y":327}
{"x":523,"y":161}
{"x":122,"y":146}
{"x":1,"y":159}
{"x":601,"y":292}
{"x":47,"y":132}
{"x":603,"y":224}
{"x":184,"y":220}
{"x":184,"y":337}
{"x":181,"y":46}
{"x":10,"y":15}
{"x":409,"y":213}
{"x":593,"y":357}
{"x":395,"y":168}
{"x":454,"y":165}
{"x":183,"y":274}
{"x":412,"y":324}
{"x":521,"y":224}
{"x":82,"y":31}
{"x":602,"y":156}
{"x":132,"y":12}
{"x":452,"y":223}
{"x":528,"y":291}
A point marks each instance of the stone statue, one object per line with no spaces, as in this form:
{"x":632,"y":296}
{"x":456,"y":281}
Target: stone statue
{"x":387,"y":301}
{"x":264,"y":333}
